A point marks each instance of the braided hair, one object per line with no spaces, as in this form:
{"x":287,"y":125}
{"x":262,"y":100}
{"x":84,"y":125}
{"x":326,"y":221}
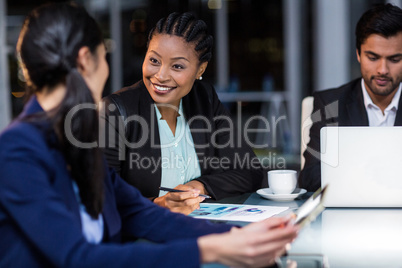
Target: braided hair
{"x":48,"y":48}
{"x":190,"y":29}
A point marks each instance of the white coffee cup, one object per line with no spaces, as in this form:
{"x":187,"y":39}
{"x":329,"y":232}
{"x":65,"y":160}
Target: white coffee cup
{"x":282,"y":181}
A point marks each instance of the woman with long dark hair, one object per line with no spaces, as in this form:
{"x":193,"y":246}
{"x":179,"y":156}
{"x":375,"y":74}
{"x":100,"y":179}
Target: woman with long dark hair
{"x":60,"y":206}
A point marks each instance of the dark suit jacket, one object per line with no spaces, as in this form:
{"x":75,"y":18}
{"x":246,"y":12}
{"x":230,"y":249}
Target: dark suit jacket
{"x":40,"y":223}
{"x":208,"y":120}
{"x":343,"y":106}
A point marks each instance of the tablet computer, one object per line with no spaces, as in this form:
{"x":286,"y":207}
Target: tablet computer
{"x":311,"y":208}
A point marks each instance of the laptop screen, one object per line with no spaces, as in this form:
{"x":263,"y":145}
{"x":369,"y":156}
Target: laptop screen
{"x":362,"y":166}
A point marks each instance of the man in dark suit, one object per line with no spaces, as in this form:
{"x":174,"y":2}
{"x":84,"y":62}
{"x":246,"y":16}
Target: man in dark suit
{"x":374,"y":99}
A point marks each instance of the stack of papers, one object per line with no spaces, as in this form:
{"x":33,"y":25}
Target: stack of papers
{"x":230,"y":212}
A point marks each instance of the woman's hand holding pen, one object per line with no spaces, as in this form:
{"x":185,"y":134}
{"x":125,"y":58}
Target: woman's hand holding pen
{"x":256,"y":245}
{"x":182,"y":202}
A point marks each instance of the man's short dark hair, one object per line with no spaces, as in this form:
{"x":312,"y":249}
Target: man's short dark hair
{"x":384,"y":20}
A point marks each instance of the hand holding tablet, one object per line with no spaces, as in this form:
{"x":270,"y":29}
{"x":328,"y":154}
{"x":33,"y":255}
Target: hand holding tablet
{"x":311,"y":208}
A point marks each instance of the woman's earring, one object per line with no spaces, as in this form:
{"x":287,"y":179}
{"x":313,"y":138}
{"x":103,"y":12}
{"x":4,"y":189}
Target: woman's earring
{"x":200,"y":78}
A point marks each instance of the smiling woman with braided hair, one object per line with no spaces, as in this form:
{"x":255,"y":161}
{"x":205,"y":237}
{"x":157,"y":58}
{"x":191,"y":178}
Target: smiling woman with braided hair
{"x":171,"y":130}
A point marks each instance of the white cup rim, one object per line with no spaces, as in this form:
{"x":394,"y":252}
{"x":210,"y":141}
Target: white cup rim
{"x":282,"y":171}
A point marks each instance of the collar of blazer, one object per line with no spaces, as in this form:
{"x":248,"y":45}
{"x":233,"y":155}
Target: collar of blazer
{"x":354,"y":103}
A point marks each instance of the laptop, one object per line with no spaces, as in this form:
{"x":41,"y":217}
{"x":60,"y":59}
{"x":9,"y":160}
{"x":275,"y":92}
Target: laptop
{"x":362,"y":166}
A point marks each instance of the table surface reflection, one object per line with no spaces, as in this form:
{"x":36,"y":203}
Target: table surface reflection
{"x":352,"y":237}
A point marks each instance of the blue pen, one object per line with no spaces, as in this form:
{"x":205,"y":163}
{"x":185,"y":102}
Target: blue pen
{"x":179,"y":191}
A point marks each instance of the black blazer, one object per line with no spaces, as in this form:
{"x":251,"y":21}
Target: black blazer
{"x":242,"y":174}
{"x":343,"y":106}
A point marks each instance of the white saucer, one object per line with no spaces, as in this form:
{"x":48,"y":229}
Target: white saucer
{"x":267,"y":193}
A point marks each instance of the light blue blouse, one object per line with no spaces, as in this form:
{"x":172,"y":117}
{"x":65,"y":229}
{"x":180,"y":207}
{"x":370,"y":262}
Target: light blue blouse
{"x":91,"y":229}
{"x":179,"y":163}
